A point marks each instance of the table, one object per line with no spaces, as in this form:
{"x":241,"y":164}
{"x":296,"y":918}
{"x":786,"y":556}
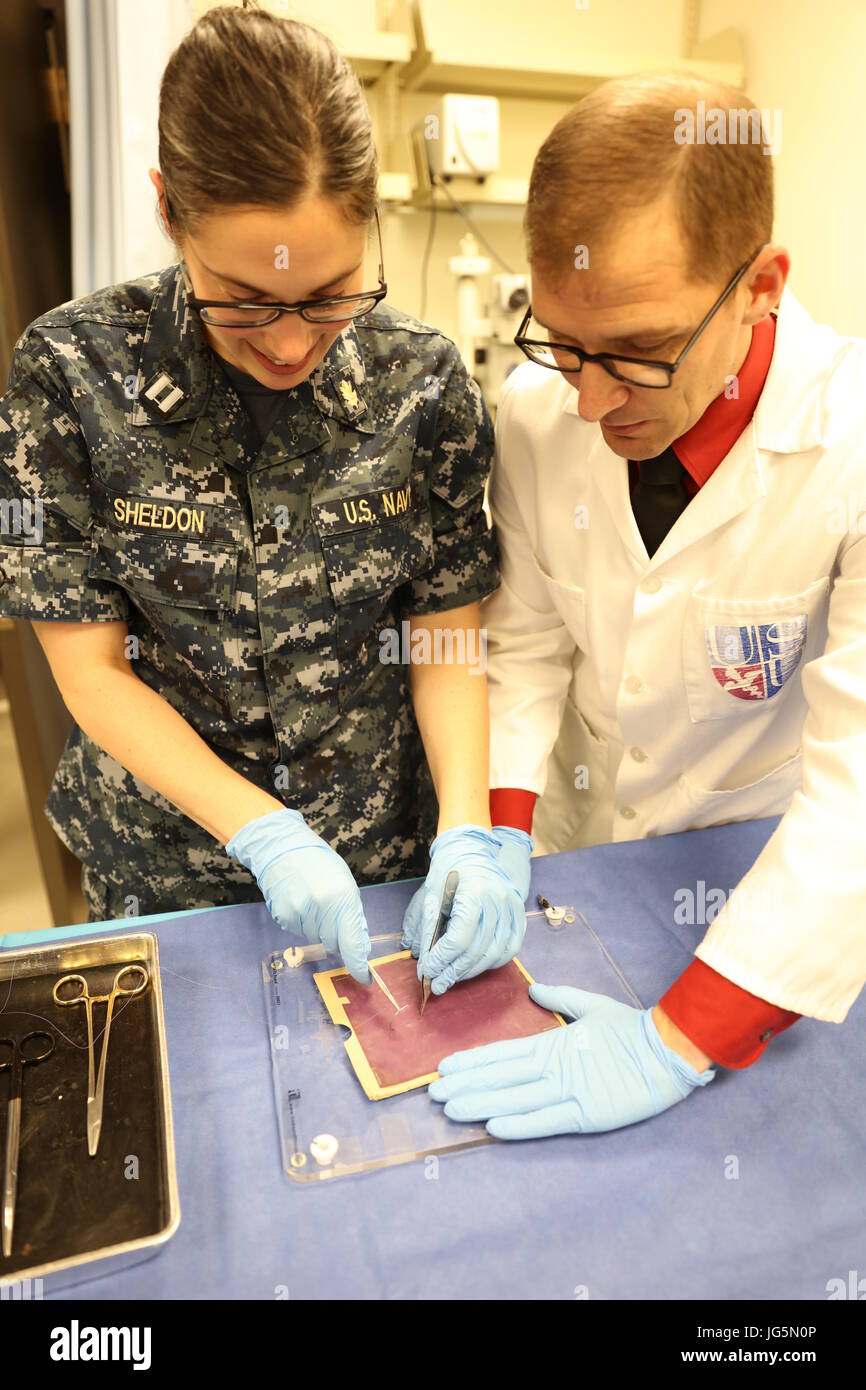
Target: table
{"x":651,"y":1211}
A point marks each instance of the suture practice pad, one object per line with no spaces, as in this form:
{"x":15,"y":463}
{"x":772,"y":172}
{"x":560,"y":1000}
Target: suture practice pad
{"x":393,"y":1052}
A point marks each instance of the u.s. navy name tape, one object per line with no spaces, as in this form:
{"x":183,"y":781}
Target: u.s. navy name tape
{"x":363,"y":509}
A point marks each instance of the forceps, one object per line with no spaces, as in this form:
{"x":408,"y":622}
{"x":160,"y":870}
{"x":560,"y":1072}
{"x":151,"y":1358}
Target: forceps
{"x":96,"y":1093}
{"x":27,"y":1052}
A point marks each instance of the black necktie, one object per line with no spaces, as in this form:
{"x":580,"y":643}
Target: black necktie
{"x":659,"y":497}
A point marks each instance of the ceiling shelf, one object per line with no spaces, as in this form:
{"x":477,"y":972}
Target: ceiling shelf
{"x":376,"y":52}
{"x":432,"y":73}
{"x":443,"y":62}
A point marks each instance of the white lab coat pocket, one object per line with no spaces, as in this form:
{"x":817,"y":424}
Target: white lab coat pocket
{"x":741,"y":657}
{"x":577,"y":775}
{"x":569,"y":600}
{"x":693,"y":808}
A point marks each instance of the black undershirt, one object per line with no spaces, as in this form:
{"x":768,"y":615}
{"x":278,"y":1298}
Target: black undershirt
{"x":263,"y":404}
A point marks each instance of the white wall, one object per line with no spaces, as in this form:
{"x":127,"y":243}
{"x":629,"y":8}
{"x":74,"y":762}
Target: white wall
{"x":117,"y":52}
{"x":807,"y":60}
{"x":142,"y":54}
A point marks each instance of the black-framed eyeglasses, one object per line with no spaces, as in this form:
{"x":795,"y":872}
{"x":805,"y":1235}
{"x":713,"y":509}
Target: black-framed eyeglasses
{"x":634,"y":371}
{"x":234,"y":313}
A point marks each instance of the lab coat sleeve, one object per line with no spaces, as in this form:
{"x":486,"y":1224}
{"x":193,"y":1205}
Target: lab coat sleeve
{"x":530,"y":653}
{"x":794,"y":930}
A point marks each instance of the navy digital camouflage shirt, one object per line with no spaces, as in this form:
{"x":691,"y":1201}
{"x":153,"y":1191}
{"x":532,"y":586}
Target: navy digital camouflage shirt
{"x":255,"y":575}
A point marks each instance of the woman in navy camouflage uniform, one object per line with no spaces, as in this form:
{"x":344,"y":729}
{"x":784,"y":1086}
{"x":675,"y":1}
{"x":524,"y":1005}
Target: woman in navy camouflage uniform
{"x":247,"y":467}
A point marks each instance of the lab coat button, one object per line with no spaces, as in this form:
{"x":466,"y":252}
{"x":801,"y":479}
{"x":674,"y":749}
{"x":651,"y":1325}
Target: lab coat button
{"x":639,"y":755}
{"x":651,"y":585}
{"x":635,"y":685}
{"x":628,"y":812}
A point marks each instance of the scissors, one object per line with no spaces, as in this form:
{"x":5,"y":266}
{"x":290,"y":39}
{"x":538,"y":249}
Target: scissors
{"x":96,"y":1092}
{"x":26,"y":1052}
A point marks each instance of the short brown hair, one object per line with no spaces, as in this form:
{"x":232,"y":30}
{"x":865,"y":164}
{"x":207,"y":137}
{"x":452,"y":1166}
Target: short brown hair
{"x":258,"y":110}
{"x":615,"y":151}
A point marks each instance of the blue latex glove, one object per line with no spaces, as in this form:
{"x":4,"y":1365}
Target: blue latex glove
{"x":608,"y":1070}
{"x":515,"y":848}
{"x":308,"y":888}
{"x":513,"y":856}
{"x":487,"y":922}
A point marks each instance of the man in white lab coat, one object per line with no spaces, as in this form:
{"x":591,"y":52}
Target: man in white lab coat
{"x":680,"y":636}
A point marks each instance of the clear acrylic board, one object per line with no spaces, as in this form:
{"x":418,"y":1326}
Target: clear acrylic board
{"x":327,"y":1126}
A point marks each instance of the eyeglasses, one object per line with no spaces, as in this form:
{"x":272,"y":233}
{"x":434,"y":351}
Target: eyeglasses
{"x":635,"y":371}
{"x":234,"y":313}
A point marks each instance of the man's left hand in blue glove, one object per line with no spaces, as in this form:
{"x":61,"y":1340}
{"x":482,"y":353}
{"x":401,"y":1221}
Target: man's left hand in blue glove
{"x":488,"y":919}
{"x":608,"y":1069}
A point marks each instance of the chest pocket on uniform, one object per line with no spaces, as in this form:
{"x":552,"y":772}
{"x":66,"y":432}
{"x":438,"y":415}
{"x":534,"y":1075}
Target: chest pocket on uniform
{"x":165,"y":569}
{"x":365,"y":566}
{"x":184,"y":590}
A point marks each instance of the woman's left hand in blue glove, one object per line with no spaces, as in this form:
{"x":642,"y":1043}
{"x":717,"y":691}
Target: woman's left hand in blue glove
{"x":488,"y":920}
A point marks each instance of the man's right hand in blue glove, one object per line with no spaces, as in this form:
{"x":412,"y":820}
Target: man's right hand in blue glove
{"x":608,"y":1069}
{"x":308,"y":888}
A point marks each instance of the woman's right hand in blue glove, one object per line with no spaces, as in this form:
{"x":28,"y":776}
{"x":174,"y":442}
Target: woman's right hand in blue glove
{"x":308,"y":888}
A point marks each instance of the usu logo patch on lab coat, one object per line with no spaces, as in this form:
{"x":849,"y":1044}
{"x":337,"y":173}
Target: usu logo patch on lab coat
{"x":752,"y":661}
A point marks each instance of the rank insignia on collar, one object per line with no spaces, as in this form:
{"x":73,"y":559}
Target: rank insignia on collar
{"x":350,"y":395}
{"x":164,"y":393}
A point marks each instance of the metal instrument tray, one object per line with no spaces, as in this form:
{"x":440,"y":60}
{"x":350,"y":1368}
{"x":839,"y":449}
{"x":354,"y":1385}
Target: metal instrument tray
{"x":78,"y":1217}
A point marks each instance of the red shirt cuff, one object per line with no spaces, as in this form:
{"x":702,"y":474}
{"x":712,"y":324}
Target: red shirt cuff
{"x":512,"y":806}
{"x":728,"y":1023}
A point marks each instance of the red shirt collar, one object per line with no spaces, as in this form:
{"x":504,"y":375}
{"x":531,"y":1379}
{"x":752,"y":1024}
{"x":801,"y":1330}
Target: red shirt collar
{"x":702,"y":448}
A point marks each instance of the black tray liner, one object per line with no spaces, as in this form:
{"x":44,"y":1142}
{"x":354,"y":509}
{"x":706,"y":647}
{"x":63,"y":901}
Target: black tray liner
{"x":69,"y":1203}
